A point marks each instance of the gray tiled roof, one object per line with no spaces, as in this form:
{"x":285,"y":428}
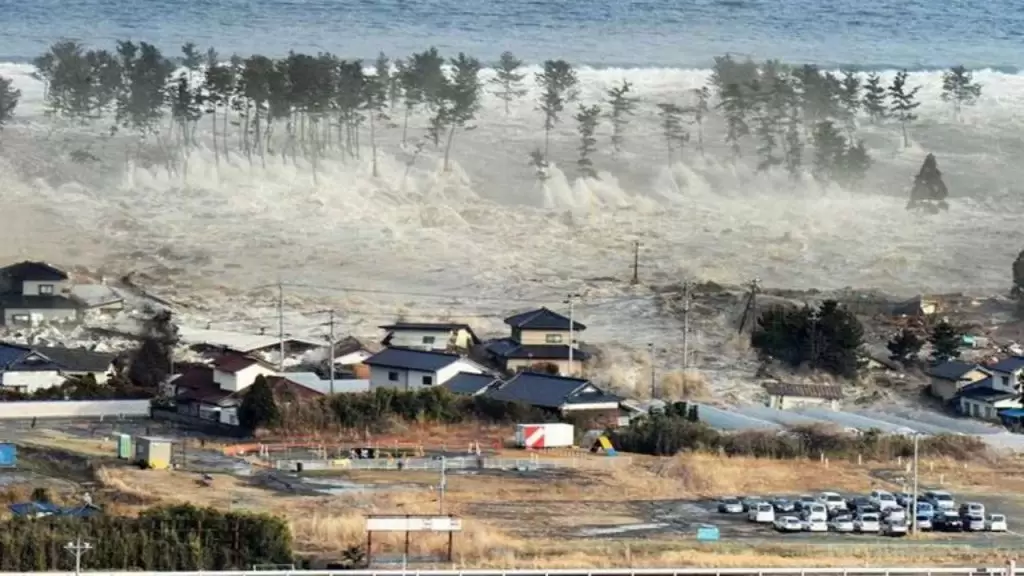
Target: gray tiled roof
{"x":426,"y":326}
{"x":548,"y":391}
{"x":469,"y":383}
{"x":78,"y":359}
{"x":408,"y":359}
{"x":542,"y":319}
{"x":952,"y":370}
{"x":34,"y":272}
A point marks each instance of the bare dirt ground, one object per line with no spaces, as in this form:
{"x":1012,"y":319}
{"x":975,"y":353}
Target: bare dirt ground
{"x":635,"y":511}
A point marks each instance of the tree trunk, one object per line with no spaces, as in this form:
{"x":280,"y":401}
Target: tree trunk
{"x":547,"y":141}
{"x":314,"y":129}
{"x":405,"y":126}
{"x":448,"y":148}
{"x":906,"y":137}
{"x":225,"y":132}
{"x":216,"y":150}
{"x":373,"y":144}
{"x":700,"y":138}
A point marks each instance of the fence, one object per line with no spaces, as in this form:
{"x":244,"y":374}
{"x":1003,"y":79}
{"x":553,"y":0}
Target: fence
{"x":22,"y":410}
{"x":1007,"y":570}
{"x":456,"y":463}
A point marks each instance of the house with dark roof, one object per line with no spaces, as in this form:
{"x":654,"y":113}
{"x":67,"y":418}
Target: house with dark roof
{"x":236,"y":372}
{"x":560,"y":394}
{"x":948,"y":378}
{"x":199,"y":392}
{"x":440,"y":336}
{"x":983,"y":400}
{"x":539,"y":338}
{"x":785,"y":396}
{"x":32,"y":292}
{"x":470,"y":384}
{"x":409,"y":369}
{"x":28,"y":369}
{"x":1007,"y":374}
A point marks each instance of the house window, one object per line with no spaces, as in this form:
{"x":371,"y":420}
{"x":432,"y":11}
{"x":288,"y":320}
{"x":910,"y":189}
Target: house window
{"x":553,"y":338}
{"x":428,"y":339}
{"x":393,"y":376}
{"x":1006,"y":380}
{"x":428,"y":380}
{"x":20,"y":318}
{"x":46,"y":289}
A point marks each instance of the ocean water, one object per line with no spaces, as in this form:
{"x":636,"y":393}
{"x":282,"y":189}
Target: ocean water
{"x":914,"y":34}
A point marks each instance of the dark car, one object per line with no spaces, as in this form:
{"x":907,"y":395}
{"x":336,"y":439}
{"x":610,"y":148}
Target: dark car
{"x":783,"y":505}
{"x":947,"y":522}
{"x":857,"y":502}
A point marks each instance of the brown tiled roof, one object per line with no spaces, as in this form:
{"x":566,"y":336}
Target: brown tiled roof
{"x":196,"y":385}
{"x":805,"y":390}
{"x":282,"y":385}
{"x":231,"y":363}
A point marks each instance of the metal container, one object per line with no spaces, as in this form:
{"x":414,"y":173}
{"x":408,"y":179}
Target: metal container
{"x":8,"y":455}
{"x":550,"y":435}
{"x":124,"y":447}
{"x":154,"y":453}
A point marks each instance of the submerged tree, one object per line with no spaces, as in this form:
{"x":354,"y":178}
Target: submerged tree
{"x":587,"y":119}
{"x":946,"y":340}
{"x":9,"y":96}
{"x":259,"y":407}
{"x":509,"y":79}
{"x":874,"y":98}
{"x":462,"y":98}
{"x":375,"y":99}
{"x":794,"y":147}
{"x":698,"y":112}
{"x":850,"y":97}
{"x":904,"y":346}
{"x":903,"y":102}
{"x":829,"y":147}
{"x":620,"y":106}
{"x":672,"y":129}
{"x":558,"y":83}
{"x":929,"y":191}
{"x":734,"y":107}
{"x":959,"y":87}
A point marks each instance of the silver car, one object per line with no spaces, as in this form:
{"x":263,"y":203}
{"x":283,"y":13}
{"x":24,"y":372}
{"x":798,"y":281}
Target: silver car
{"x":974,"y":523}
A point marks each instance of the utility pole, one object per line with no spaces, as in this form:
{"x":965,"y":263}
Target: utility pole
{"x":914,"y":505}
{"x":442,"y":485}
{"x":571,"y":301}
{"x":280,"y":323}
{"x":686,"y":326}
{"x":636,"y":262}
{"x":77,"y":548}
{"x":653,"y":379}
{"x":330,"y":345}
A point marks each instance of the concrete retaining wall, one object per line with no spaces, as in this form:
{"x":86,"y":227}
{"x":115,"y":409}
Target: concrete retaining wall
{"x":74,"y":409}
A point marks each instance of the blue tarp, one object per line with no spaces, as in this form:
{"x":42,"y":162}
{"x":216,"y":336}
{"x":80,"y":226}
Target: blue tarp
{"x":33,"y":509}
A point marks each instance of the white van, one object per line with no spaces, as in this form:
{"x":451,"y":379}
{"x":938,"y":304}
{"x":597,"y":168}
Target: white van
{"x":762,"y":513}
{"x":883,"y":500}
{"x":815,"y":512}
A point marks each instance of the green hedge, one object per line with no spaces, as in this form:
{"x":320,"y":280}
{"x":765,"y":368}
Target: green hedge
{"x":183,"y":538}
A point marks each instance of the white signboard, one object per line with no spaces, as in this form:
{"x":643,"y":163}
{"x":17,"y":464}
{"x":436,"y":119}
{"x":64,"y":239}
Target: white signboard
{"x":413,"y":524}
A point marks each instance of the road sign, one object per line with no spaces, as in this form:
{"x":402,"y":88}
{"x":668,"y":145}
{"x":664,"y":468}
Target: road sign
{"x":413,"y":524}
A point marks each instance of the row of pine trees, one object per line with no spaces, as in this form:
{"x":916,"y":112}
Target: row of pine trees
{"x":311,"y":105}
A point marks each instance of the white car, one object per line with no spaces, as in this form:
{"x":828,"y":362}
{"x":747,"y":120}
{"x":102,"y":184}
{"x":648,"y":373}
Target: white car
{"x":842,"y":524}
{"x":815,"y":525}
{"x":924,"y":522}
{"x":788,"y":524}
{"x":896,"y":513}
{"x":940,"y":499}
{"x":972,"y":509}
{"x":816,"y":511}
{"x":866,"y":523}
{"x":973,"y":523}
{"x":895,"y":528}
{"x":883,"y":499}
{"x":762,"y":513}
{"x":925,"y":509}
{"x":996,"y":523}
{"x":832,"y":501}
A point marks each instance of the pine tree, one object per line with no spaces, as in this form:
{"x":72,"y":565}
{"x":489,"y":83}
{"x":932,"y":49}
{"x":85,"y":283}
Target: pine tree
{"x":672,"y":129}
{"x":734,"y":107}
{"x":587,"y":119}
{"x":509,"y":79}
{"x":945,"y":339}
{"x":794,"y":146}
{"x":959,"y":87}
{"x":621,"y":105}
{"x":698,"y":112}
{"x":874,"y":98}
{"x":766,"y":124}
{"x":375,"y":98}
{"x":9,"y":97}
{"x":258,"y":408}
{"x":1018,"y":277}
{"x":558,"y":83}
{"x":462,"y":98}
{"x":854,"y":164}
{"x":829,"y":146}
{"x":850,"y":97}
{"x":903,"y":102}
{"x":904,"y":346}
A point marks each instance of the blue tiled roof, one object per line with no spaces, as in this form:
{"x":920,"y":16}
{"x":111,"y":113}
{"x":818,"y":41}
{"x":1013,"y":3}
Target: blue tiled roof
{"x":11,"y":354}
{"x":542,"y":319}
{"x":952,"y":370}
{"x":509,"y":348}
{"x":548,"y":391}
{"x":1008,"y":365}
{"x":468,"y":383}
{"x":408,"y":359}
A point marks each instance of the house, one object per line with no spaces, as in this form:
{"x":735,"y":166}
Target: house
{"x":198,"y":395}
{"x":97,"y":298}
{"x":408,"y":369}
{"x":234,"y":373}
{"x":220,"y":341}
{"x":470,"y":384}
{"x":440,"y":336}
{"x":32,"y":292}
{"x":27,"y":370}
{"x":984,"y":401}
{"x":349,"y":355}
{"x":1006,"y":374}
{"x":564,"y":395}
{"x":948,"y":378}
{"x":784,"y":396}
{"x":539,"y":337}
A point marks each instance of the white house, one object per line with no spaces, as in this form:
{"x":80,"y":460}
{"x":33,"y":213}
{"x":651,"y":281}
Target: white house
{"x":32,"y":292}
{"x":983,"y":400}
{"x":438,"y":336}
{"x":234,"y":373}
{"x":1006,"y":374}
{"x":408,"y":369}
{"x":783,"y":396}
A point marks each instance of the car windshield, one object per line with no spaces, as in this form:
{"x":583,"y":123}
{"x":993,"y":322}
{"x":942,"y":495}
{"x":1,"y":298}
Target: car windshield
{"x":834,"y":498}
{"x":842,"y":518}
{"x":943,"y":497}
{"x":764,"y":507}
{"x":924,"y":506}
{"x":885,"y":497}
{"x":998,"y":518}
{"x":730,"y":500}
{"x":924,"y":518}
{"x":869,"y":518}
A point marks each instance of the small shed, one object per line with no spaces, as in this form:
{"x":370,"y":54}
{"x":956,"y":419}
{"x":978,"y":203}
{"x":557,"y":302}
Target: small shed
{"x":784,"y":396}
{"x":152,"y":452}
{"x":8,"y":455}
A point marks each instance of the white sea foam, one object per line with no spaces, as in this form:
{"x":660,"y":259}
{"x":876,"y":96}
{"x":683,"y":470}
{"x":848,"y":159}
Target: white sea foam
{"x":494,"y":239}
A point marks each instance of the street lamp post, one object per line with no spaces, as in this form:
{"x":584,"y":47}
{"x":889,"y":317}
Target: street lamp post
{"x":77,"y":548}
{"x":917,"y":437}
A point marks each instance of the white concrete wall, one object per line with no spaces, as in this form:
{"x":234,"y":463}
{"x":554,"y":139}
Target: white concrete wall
{"x":414,"y":339}
{"x":790,"y":402}
{"x":31,"y":381}
{"x":242,"y":379}
{"x":448,"y":372}
{"x":1006,"y":382}
{"x":73,"y":409}
{"x":379,"y":378}
{"x":31,"y":288}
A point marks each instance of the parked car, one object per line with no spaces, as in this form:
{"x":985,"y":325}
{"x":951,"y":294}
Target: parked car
{"x":832,"y":501}
{"x":749,"y":501}
{"x":857,"y":502}
{"x":866,"y":523}
{"x":842,"y":523}
{"x":924,"y":522}
{"x":816,"y":511}
{"x":815,"y":525}
{"x":972,"y":509}
{"x":894,"y":528}
{"x":783,"y":505}
{"x":973,"y":523}
{"x":925,"y":509}
{"x":948,"y":521}
{"x":762,"y":513}
{"x":896,"y":513}
{"x":804,"y":501}
{"x":940,"y":499}
{"x":883,"y":499}
{"x":788,"y":524}
{"x":730,"y":505}
{"x":904,"y":499}
{"x":996,"y":523}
